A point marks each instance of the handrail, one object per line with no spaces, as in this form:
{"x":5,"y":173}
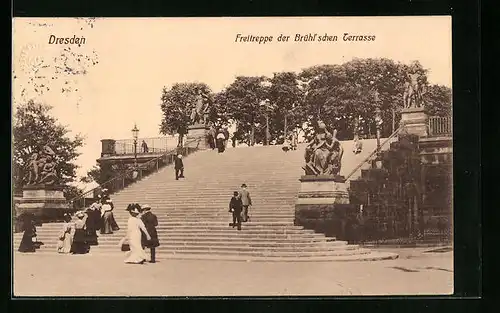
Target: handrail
{"x":374,"y":152}
{"x":123,"y":175}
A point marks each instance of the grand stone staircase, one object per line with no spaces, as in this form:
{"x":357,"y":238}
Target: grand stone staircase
{"x":193,"y":212}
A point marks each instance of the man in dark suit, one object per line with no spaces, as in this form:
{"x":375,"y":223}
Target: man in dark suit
{"x":246,"y":201}
{"x":235,"y":207}
{"x":150,"y":221}
{"x":179,"y":167}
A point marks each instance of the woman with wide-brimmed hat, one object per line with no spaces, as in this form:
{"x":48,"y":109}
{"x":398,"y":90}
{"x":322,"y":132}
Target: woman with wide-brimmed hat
{"x":93,"y":223}
{"x":135,"y":227}
{"x":80,"y":244}
{"x":108,"y":220}
{"x":150,"y":221}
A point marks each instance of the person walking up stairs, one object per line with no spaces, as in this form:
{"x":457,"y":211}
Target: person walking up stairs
{"x":235,"y":207}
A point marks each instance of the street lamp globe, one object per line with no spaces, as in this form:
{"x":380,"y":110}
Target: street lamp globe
{"x":135,"y":132}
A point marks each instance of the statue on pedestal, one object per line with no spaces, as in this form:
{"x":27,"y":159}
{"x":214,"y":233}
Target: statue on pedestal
{"x":42,"y":168}
{"x":412,"y":96}
{"x":200,"y":110}
{"x":323,"y":154}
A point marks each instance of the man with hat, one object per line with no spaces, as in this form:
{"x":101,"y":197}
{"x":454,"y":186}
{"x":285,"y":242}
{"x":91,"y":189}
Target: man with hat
{"x":235,"y":207}
{"x":150,"y":221}
{"x":246,"y":200}
{"x":179,"y":167}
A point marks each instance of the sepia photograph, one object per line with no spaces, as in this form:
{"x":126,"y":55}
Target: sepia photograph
{"x":232,"y":156}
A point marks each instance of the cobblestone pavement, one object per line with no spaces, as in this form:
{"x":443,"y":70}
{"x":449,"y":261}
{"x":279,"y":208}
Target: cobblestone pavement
{"x":416,"y":272}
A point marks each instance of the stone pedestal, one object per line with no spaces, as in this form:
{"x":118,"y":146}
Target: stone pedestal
{"x":415,"y":121}
{"x":46,"y":202}
{"x":323,"y":205}
{"x":197,"y":136}
{"x":322,"y":189}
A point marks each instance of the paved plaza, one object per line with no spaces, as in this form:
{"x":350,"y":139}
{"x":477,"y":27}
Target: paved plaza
{"x":416,"y":272}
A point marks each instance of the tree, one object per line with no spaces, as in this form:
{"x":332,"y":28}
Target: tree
{"x":34,"y":128}
{"x":37,"y":71}
{"x":287,"y":96}
{"x":71,"y":192}
{"x":99,"y":174}
{"x":242,"y":102}
{"x":176,"y":107}
{"x":437,"y":100}
{"x":339,"y":94}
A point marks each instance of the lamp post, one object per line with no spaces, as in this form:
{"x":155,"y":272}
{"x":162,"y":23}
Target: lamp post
{"x":135,"y":135}
{"x":266,"y":84}
{"x":266,"y":106}
{"x":378,"y":122}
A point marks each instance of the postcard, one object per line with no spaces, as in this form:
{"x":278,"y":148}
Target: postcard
{"x":276,"y":156}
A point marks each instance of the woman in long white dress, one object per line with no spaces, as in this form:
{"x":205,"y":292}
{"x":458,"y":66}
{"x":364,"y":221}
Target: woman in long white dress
{"x":136,"y":255}
{"x":66,"y":236}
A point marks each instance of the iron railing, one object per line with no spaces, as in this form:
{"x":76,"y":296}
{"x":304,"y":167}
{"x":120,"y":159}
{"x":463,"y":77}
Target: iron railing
{"x":440,"y":126}
{"x":127,"y":148}
{"x":374,"y":152}
{"x":132,"y":175}
{"x":155,"y":145}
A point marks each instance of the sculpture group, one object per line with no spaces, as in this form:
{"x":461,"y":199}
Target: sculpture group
{"x":414,"y":90}
{"x":200,"y":110}
{"x":42,"y":168}
{"x":323,"y":154}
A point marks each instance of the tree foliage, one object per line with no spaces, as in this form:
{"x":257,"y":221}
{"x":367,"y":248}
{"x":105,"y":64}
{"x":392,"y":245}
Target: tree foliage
{"x":287,"y":97}
{"x":438,"y":100}
{"x":34,"y":128}
{"x":240,"y":102}
{"x":336,"y":94}
{"x":176,"y":104}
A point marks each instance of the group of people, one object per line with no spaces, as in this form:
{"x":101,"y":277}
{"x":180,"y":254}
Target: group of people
{"x":218,"y":138}
{"x":141,"y":233}
{"x":238,"y":206}
{"x":78,"y":235}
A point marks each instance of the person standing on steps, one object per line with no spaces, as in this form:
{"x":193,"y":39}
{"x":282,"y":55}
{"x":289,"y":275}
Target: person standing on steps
{"x":29,"y":235}
{"x":235,"y":207}
{"x":135,"y":228}
{"x":104,"y":197}
{"x":93,"y":223}
{"x":246,"y":201}
{"x":225,"y":131}
{"x":65,"y":240}
{"x":150,"y":221}
{"x":145,"y":148}
{"x":220,"y":141}
{"x":80,"y":244}
{"x":179,"y":167}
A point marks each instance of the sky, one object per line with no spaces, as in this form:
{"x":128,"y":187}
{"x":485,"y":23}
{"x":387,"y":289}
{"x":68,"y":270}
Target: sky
{"x":139,"y":56}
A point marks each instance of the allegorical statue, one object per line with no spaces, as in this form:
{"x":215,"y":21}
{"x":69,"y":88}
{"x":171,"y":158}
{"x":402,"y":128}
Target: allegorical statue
{"x":200,"y":110}
{"x":42,"y":167}
{"x":412,"y":96}
{"x":323,"y":154}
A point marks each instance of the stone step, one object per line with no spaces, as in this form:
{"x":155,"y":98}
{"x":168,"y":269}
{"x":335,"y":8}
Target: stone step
{"x":223,"y":250}
{"x":268,"y":253}
{"x":372,"y":256}
{"x":230,"y":246}
{"x":199,"y":235}
{"x":251,"y":248}
{"x":254,"y":243}
{"x":198,"y":231}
